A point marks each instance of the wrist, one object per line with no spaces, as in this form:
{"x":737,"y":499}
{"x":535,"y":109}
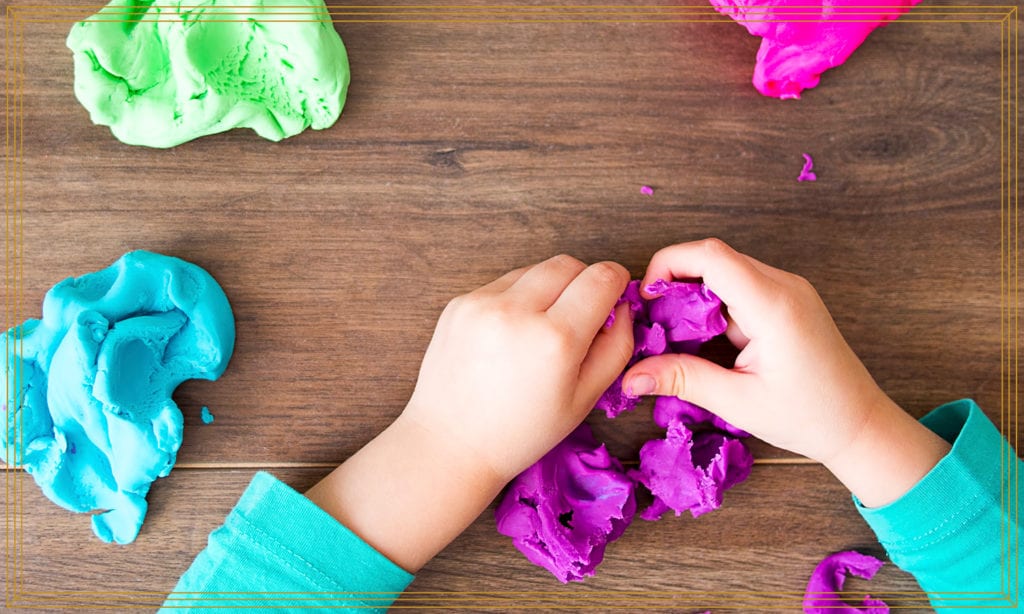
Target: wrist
{"x":446,"y":454}
{"x":407,"y":493}
{"x":888,"y":455}
{"x":491,"y":451}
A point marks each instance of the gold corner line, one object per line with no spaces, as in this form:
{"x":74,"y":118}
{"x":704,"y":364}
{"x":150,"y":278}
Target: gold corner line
{"x":722,"y":20}
{"x":701,"y":7}
{"x":17,"y":125}
{"x":696,"y":8}
{"x":1015,"y":170}
{"x":9,"y":479}
{"x":1003,"y":263}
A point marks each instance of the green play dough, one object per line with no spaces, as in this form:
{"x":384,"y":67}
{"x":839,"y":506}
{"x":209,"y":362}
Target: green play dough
{"x":182,"y":70}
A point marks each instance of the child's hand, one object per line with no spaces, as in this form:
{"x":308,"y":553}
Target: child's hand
{"x":512,"y":369}
{"x":796,"y":383}
{"x":516,"y":365}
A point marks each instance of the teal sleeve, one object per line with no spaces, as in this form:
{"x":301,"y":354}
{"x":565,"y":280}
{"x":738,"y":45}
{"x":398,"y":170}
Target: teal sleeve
{"x":957,"y":530}
{"x":278,"y":549}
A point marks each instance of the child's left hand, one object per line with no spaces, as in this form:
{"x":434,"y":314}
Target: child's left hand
{"x":512,"y":369}
{"x":516,"y":365}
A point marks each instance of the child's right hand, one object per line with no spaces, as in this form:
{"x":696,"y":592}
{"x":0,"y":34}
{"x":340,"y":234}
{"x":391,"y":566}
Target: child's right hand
{"x":796,"y":383}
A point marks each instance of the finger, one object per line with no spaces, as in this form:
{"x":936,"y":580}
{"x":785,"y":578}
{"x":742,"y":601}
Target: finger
{"x":607,"y":357}
{"x":585,"y":303}
{"x":729,"y":274}
{"x":723,"y":391}
{"x":539,"y":287}
{"x":736,"y":336}
{"x":504,"y":282}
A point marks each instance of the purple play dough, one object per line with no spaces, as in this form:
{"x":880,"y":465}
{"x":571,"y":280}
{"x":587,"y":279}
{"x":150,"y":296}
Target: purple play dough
{"x":688,"y":312}
{"x":690,"y":471}
{"x":667,"y":409}
{"x":565,"y":508}
{"x":683,"y":316}
{"x":827,"y":580}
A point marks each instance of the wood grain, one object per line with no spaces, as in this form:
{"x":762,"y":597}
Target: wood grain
{"x":466,"y":150}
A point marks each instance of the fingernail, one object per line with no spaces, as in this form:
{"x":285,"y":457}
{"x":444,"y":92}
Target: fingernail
{"x":642,"y":384}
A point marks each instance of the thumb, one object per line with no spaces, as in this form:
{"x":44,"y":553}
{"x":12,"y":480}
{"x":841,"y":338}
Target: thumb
{"x":722,"y":391}
{"x":608,"y":356}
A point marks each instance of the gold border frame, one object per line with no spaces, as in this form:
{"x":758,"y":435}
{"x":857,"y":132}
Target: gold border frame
{"x":1005,"y":15}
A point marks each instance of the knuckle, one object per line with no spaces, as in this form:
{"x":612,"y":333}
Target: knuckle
{"x":608,"y":273}
{"x":716,"y":247}
{"x":564,"y":339}
{"x":565,"y":261}
{"x":502,"y":316}
{"x":464,"y":303}
{"x":456,"y":304}
{"x":555,"y":342}
{"x":802,"y":285}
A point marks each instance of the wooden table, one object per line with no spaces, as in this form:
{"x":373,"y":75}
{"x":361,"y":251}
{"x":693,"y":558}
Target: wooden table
{"x":468,"y":149}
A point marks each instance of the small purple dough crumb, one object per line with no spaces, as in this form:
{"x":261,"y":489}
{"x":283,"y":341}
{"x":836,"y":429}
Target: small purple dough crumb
{"x":827,"y":581}
{"x":562,"y":511}
{"x":806,"y":174}
{"x":690,"y":471}
{"x":668,"y":409}
{"x":615,"y":400}
{"x":646,"y":190}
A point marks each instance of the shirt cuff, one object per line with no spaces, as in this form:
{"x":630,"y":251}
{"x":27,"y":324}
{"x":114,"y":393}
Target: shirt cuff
{"x":302,"y":529}
{"x":961,"y":484}
{"x":279,"y":549}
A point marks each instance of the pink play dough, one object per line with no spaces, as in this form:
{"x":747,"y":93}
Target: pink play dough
{"x":801,"y":40}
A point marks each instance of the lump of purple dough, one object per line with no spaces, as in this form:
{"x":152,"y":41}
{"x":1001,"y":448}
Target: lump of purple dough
{"x":562,"y":511}
{"x":688,"y":312}
{"x":615,"y":400}
{"x":827,"y":580}
{"x":679,"y":320}
{"x":668,"y":409}
{"x":636,"y":302}
{"x":798,"y":45}
{"x":649,"y":340}
{"x":631,"y":295}
{"x":690,"y":471}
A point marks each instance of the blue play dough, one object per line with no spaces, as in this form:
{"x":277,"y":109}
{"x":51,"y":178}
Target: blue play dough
{"x":90,"y":384}
{"x":206,"y":415}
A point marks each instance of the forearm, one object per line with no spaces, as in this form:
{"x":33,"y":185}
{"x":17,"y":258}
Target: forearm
{"x":890,"y":453}
{"x":956,"y":530}
{"x":407,"y":493}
